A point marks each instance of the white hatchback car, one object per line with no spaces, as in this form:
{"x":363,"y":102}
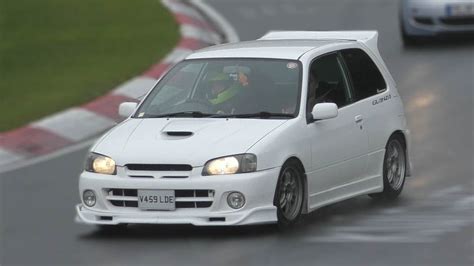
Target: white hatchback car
{"x":253,"y":132}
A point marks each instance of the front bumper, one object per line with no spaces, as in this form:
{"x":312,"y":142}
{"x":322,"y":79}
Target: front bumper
{"x":258,"y":188}
{"x":435,"y":25}
{"x":437,"y":29}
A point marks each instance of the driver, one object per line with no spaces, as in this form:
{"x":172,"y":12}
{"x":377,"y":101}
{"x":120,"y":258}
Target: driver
{"x":223,"y":88}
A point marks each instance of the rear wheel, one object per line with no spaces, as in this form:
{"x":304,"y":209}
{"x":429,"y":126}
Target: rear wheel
{"x":394,"y":169}
{"x":289,"y":195}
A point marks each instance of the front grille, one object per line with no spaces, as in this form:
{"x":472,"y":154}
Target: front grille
{"x":458,"y":21}
{"x":159,"y":167}
{"x":185,"y":198}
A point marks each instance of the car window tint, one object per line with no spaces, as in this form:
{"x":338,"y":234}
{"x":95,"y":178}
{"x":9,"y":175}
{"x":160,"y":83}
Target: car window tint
{"x":327,"y":82}
{"x":366,"y":77}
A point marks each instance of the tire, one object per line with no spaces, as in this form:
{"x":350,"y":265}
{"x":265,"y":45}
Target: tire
{"x":394,"y":169}
{"x":289,"y":194}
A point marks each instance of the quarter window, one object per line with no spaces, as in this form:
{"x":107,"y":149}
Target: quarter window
{"x":366,"y":77}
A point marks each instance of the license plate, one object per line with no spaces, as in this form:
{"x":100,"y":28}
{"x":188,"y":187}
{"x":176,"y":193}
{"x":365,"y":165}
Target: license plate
{"x":460,"y":10}
{"x":162,"y":200}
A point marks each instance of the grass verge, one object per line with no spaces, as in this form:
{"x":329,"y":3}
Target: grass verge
{"x":56,"y":54}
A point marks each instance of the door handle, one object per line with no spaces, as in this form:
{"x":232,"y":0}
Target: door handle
{"x":359,"y":118}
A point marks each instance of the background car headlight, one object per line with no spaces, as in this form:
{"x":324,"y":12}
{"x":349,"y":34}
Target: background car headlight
{"x":242,"y":163}
{"x":100,"y":164}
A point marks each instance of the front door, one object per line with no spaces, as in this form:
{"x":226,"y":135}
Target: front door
{"x":339,"y":145}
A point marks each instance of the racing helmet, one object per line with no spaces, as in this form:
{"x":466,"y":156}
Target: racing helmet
{"x":222,"y":87}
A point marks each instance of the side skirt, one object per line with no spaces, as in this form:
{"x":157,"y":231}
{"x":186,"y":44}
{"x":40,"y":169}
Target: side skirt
{"x":361,"y":187}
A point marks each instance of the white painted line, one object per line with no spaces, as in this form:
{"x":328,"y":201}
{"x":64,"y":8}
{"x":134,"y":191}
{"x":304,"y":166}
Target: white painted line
{"x":177,"y":55}
{"x":75,"y":124}
{"x":7,"y":157}
{"x":191,"y":31}
{"x":136,"y":88}
{"x":229,"y":32}
{"x":180,"y":8}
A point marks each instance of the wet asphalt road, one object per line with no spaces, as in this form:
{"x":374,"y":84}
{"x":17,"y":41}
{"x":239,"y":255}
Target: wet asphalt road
{"x":431,"y":224}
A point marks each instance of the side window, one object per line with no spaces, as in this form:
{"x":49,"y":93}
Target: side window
{"x":327,"y":82}
{"x":366,"y":77}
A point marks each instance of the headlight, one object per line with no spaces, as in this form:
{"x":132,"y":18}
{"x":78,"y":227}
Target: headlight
{"x":100,"y":164}
{"x":242,"y":163}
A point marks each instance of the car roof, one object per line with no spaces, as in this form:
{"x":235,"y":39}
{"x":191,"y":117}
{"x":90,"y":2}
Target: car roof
{"x":280,"y":49}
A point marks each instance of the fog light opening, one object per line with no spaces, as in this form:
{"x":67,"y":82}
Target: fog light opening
{"x":236,"y":200}
{"x":89,"y":198}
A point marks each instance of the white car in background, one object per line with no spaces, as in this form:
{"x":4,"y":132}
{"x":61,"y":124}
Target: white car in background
{"x":430,"y":18}
{"x":253,"y":132}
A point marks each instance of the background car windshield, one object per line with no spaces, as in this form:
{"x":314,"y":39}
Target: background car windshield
{"x":226,"y":87}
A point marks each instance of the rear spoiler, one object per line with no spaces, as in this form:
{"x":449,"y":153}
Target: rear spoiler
{"x":368,"y":38}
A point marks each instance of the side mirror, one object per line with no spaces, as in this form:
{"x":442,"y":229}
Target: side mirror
{"x":322,"y":111}
{"x":126,"y":109}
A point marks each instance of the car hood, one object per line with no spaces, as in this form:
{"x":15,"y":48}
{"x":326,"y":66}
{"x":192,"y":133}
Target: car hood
{"x":191,"y":141}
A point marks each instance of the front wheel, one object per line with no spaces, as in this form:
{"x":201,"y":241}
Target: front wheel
{"x":289,"y":194}
{"x":394,"y":170}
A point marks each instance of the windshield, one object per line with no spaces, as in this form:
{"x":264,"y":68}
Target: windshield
{"x":241,"y":88}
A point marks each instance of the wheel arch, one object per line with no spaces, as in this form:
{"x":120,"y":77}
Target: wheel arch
{"x":305,"y":183}
{"x":400,"y":135}
{"x":403,"y":136}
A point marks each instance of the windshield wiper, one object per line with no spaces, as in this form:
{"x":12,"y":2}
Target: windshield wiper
{"x":180,"y":114}
{"x":256,"y":115}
